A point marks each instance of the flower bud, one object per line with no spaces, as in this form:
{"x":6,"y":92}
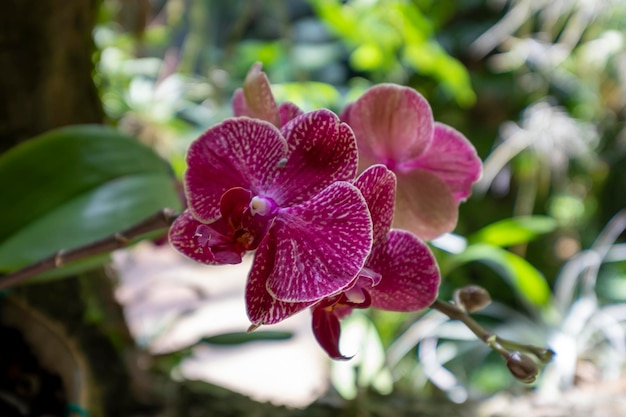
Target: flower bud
{"x":522,"y":367}
{"x":472,"y":298}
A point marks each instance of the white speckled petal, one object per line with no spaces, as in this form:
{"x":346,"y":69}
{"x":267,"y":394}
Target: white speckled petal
{"x":239,"y":152}
{"x":410,"y":275}
{"x":261,"y":307}
{"x":319,"y":246}
{"x":288,"y":111}
{"x":378,"y":186}
{"x":322,"y":150}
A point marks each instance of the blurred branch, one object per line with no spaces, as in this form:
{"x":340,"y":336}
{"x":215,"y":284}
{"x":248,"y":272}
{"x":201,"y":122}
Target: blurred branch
{"x":492,"y":340}
{"x":163,"y":218}
{"x":520,"y":365}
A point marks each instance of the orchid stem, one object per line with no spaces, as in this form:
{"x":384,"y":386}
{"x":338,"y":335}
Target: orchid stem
{"x":163,"y":218}
{"x":495,"y":342}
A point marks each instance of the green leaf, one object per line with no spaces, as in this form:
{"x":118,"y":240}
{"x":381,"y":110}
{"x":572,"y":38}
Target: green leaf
{"x":74,"y":185}
{"x":514,"y":231}
{"x":238,"y":338}
{"x":526,"y":280}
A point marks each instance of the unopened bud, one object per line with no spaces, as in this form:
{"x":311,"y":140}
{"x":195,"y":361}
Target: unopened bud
{"x":472,"y":298}
{"x":522,"y":367}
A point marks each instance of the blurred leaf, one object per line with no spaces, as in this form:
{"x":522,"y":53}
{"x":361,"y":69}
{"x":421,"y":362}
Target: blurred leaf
{"x":367,"y":368}
{"x":307,"y":95}
{"x":166,"y":362}
{"x":526,"y":280}
{"x":74,"y":185}
{"x":367,"y":57}
{"x":383,"y":34}
{"x":491,"y":376}
{"x":509,"y":232}
{"x":612,"y":200}
{"x":239,"y":338}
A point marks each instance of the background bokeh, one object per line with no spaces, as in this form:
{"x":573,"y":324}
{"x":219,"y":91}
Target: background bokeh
{"x":538,"y":87}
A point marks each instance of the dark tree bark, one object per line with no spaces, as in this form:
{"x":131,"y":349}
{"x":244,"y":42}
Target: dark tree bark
{"x":46,"y":67}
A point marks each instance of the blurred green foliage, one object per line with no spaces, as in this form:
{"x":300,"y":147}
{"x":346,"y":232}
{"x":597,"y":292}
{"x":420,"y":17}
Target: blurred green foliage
{"x":389,"y":40}
{"x":537,"y":86}
{"x":98,"y":183}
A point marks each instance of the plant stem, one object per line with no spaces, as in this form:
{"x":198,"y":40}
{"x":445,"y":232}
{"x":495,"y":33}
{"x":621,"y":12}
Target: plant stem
{"x":163,"y":218}
{"x":495,"y":342}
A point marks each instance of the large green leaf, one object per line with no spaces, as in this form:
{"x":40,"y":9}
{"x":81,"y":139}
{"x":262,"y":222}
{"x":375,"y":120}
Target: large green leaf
{"x":528,"y":283}
{"x":509,"y":232}
{"x":74,"y":185}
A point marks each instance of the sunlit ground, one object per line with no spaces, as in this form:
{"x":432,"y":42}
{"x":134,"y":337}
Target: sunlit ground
{"x":170,"y":303}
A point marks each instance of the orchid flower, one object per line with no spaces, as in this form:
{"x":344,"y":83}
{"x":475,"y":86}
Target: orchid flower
{"x":286,"y":193}
{"x":435,"y":164}
{"x":400,"y":273}
{"x":256,"y":100}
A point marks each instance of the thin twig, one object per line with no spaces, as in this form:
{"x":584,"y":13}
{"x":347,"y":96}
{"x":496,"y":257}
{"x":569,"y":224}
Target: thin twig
{"x":495,"y":342}
{"x":163,"y":218}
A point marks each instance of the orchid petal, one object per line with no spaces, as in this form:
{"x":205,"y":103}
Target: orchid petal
{"x":261,"y":307}
{"x":256,"y":99}
{"x":378,"y":186}
{"x":392,"y":123}
{"x":327,"y":330}
{"x":240,"y":107}
{"x":410,"y":275}
{"x":322,"y":151}
{"x":288,"y":111}
{"x":453,"y":158}
{"x":239,"y":152}
{"x":233,"y":204}
{"x":192,"y":238}
{"x":320,"y":246}
{"x":424,"y":205}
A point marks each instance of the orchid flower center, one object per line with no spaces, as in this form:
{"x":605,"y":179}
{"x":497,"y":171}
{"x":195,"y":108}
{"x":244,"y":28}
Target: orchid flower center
{"x":253,"y":221}
{"x":244,"y":222}
{"x":355,"y":296}
{"x":262,"y":206}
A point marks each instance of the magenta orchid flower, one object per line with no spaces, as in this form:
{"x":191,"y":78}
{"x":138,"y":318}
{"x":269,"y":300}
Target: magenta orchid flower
{"x":256,"y":100}
{"x":435,"y":164}
{"x":400,"y":273}
{"x":286,"y":193}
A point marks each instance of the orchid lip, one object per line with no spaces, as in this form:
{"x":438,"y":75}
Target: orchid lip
{"x":203,"y":235}
{"x":206,"y":238}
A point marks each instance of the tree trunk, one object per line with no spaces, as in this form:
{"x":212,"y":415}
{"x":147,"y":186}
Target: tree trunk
{"x":46,"y":67}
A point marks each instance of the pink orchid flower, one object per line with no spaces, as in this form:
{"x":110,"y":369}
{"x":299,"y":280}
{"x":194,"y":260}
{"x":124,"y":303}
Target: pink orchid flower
{"x":286,"y":193}
{"x":256,"y":100}
{"x":400,"y":273}
{"x":435,"y":164}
